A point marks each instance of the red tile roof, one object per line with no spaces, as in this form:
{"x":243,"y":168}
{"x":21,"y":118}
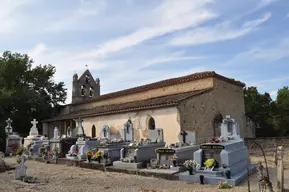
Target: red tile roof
{"x":161,"y":84}
{"x":159,"y":102}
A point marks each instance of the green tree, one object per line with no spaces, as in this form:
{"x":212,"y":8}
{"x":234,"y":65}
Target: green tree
{"x":260,"y":109}
{"x":27,"y":92}
{"x":282,"y":112}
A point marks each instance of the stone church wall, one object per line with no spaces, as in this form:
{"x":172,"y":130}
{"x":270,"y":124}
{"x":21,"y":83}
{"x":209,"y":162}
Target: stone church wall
{"x":165,"y":118}
{"x":199,"y":113}
{"x":170,"y":90}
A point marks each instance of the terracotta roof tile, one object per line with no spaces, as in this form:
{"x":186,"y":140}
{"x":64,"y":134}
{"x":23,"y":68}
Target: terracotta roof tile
{"x":164,"y":83}
{"x":165,"y":101}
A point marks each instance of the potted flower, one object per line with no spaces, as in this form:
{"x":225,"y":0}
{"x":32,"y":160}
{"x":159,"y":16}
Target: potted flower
{"x":174,"y":159}
{"x":227,"y":171}
{"x":97,"y":156}
{"x":210,"y":163}
{"x":42,"y":150}
{"x":89,"y":155}
{"x":190,"y":165}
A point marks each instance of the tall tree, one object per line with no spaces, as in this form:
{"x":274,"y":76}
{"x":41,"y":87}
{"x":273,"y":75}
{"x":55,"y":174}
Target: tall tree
{"x":282,"y":111}
{"x":260,"y":109}
{"x":26,"y":92}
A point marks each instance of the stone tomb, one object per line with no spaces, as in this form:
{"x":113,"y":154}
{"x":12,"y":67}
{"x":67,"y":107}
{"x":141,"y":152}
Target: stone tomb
{"x":112,"y":148}
{"x":230,"y":155}
{"x":136,"y":155}
{"x":33,"y":134}
{"x":13,"y":140}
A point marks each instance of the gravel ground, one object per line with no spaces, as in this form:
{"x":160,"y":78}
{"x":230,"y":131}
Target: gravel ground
{"x":61,"y":178}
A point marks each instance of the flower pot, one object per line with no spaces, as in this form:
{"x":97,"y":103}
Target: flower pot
{"x":175,"y":163}
{"x":228,"y":174}
{"x":202,"y":179}
{"x":89,"y":158}
{"x":191,"y":171}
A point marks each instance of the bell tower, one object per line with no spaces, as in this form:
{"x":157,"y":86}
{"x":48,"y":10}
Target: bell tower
{"x":85,"y":87}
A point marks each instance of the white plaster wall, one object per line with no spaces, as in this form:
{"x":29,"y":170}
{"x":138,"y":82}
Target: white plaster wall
{"x":165,"y":118}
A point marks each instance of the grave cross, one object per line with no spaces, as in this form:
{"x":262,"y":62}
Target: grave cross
{"x":184,"y":134}
{"x":34,"y":122}
{"x":8,"y":127}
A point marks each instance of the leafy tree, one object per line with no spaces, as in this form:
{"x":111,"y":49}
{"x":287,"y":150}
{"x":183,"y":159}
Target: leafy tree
{"x":282,"y":112}
{"x":260,"y":109}
{"x":27,"y":93}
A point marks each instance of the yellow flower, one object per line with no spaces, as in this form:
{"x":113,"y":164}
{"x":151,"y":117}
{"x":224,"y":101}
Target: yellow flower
{"x":210,"y":163}
{"x":89,"y":153}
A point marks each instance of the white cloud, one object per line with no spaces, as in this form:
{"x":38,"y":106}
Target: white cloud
{"x":220,"y":32}
{"x":173,"y":16}
{"x":266,"y":53}
{"x":9,"y":14}
{"x":76,"y":17}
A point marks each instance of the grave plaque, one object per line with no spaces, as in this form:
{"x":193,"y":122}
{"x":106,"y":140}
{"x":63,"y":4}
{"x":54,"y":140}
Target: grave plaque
{"x":212,"y":147}
{"x":169,"y":151}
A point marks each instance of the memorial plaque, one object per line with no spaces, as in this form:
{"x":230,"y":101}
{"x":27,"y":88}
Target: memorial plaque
{"x":212,"y":154}
{"x":130,"y":147}
{"x":165,"y":151}
{"x":212,"y":147}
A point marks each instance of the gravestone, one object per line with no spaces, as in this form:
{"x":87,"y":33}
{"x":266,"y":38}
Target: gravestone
{"x":105,"y":132}
{"x":55,"y":142}
{"x":156,"y":135}
{"x":128,"y":132}
{"x":33,"y":134}
{"x":137,"y":154}
{"x":20,"y":170}
{"x":187,"y":137}
{"x":80,"y":130}
{"x":13,"y":140}
{"x":280,"y":169}
{"x":229,"y":154}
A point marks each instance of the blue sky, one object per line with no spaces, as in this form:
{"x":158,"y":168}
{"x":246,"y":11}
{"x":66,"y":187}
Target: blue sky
{"x":127,"y":43}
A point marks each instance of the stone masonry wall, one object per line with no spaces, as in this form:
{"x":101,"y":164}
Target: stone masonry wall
{"x":170,"y":90}
{"x":198,"y":113}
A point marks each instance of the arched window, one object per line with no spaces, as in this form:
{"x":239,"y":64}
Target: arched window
{"x":151,"y":124}
{"x":93,"y":132}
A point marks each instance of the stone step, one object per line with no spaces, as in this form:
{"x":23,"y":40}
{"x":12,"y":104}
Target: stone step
{"x":213,"y":173}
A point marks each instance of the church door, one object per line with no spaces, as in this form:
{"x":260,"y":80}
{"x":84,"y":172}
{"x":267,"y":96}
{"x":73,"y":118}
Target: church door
{"x":93,"y":135}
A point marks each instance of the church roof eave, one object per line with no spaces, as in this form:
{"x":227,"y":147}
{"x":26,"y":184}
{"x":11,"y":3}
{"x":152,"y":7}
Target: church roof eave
{"x":159,"y":102}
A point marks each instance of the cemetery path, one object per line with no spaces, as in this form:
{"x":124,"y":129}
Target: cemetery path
{"x":60,"y":178}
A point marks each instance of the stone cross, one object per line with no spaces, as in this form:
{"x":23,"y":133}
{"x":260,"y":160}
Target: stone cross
{"x":280,"y":169}
{"x":184,"y":134}
{"x":33,"y":129}
{"x":8,"y":128}
{"x":80,"y":131}
{"x":56,"y":133}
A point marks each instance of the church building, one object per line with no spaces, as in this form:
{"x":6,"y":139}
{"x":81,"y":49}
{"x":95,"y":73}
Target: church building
{"x":196,"y":103}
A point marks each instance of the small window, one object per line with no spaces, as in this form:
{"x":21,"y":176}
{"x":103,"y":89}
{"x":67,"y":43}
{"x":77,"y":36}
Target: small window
{"x":93,"y":132}
{"x":152,"y":125}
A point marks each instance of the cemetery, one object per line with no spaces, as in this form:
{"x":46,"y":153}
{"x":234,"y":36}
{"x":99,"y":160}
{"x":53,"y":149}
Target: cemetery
{"x":220,"y":161}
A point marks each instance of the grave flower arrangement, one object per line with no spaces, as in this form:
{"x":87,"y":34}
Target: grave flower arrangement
{"x":89,"y":155}
{"x":214,"y":140}
{"x":75,"y":152}
{"x":21,"y":151}
{"x":55,"y":151}
{"x":190,"y":165}
{"x":210,"y":163}
{"x":97,"y":156}
{"x":42,"y":150}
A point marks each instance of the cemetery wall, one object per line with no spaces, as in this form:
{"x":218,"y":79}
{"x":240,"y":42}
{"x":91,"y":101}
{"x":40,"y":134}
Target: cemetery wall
{"x":169,"y":90}
{"x":165,"y":118}
{"x":268,"y":142}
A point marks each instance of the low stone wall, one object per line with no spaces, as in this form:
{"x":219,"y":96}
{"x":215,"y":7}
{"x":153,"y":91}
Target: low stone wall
{"x":268,"y":142}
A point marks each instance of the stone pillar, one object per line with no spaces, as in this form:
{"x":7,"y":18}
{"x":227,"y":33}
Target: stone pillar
{"x":45,"y":129}
{"x":280,"y":169}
